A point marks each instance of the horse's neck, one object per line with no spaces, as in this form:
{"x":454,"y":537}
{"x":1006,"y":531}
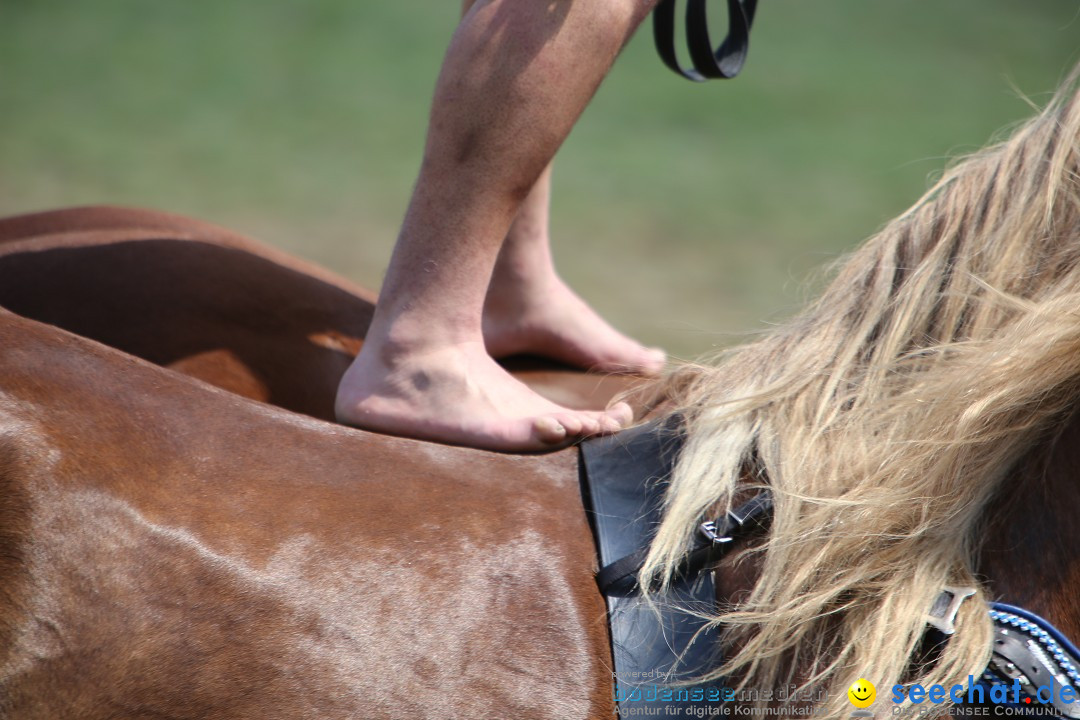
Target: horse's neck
{"x":1033,"y":533}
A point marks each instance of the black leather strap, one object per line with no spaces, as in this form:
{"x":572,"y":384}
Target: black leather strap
{"x":726,"y":61}
{"x":623,"y":480}
{"x":621,"y":576}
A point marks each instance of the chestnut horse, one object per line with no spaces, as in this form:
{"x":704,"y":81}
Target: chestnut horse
{"x":185,"y":533}
{"x":173,"y":550}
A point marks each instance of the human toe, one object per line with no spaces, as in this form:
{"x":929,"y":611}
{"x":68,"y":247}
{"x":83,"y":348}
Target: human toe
{"x":573,"y":423}
{"x":549,"y":430}
{"x":617,"y":416}
{"x":652,"y":361}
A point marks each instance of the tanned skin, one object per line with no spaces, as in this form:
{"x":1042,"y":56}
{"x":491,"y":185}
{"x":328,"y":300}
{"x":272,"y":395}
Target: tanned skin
{"x":471,"y":276}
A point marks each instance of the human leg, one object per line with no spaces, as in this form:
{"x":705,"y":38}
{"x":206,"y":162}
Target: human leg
{"x":516,"y":77}
{"x":529,"y":309}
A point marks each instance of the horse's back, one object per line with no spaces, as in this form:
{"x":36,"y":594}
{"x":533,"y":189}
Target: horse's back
{"x":170,"y":549}
{"x":213,"y":305}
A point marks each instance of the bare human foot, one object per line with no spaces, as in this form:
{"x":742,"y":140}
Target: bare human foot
{"x":538,"y":314}
{"x":455,"y":393}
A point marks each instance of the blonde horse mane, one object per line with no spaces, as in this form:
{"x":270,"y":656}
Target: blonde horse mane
{"x":886,"y":416}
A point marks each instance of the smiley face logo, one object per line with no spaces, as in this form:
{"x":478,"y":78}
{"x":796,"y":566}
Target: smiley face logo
{"x":861,"y":693}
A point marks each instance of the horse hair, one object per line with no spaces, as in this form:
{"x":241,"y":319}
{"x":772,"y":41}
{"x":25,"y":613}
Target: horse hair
{"x":887,"y":415}
{"x":14,"y":533}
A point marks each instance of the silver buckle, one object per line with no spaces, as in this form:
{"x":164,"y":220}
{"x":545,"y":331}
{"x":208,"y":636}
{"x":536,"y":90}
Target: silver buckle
{"x":943,"y":618}
{"x":708,"y":529}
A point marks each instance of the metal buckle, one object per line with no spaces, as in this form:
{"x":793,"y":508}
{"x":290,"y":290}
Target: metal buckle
{"x":708,"y":529}
{"x":943,"y":616}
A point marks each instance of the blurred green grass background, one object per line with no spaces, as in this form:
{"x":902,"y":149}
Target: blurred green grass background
{"x":687,"y":214}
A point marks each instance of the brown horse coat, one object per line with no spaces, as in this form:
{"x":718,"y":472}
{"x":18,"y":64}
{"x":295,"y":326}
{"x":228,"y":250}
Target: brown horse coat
{"x":172,"y":550}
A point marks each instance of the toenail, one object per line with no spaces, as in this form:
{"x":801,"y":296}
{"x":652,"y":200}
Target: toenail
{"x":550,"y":429}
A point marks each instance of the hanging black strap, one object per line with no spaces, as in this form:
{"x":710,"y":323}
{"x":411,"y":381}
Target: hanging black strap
{"x":726,"y":61}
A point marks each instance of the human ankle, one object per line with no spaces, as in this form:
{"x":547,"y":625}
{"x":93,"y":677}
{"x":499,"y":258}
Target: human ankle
{"x":523,"y":262}
{"x":406,"y":337}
